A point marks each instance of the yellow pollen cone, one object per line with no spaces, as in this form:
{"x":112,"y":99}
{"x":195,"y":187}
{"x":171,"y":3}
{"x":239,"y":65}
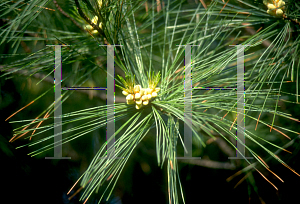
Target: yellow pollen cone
{"x":271,"y":6}
{"x":129,"y":97}
{"x":137,"y":88}
{"x":95,"y":19}
{"x":144,"y":97}
{"x":129,"y":102}
{"x":279,"y":12}
{"x":89,"y":27}
{"x":149,"y":91}
{"x":137,"y":96}
{"x":280,"y":4}
{"x":138,"y":106}
{"x":138,"y":102}
{"x":142,"y":91}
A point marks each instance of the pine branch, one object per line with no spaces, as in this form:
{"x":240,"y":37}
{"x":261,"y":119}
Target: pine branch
{"x":209,"y":163}
{"x":295,"y":21}
{"x":95,"y":26}
{"x":49,"y":79}
{"x":67,"y":15}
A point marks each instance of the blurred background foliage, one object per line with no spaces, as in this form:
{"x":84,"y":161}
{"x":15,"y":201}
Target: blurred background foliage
{"x":37,"y":180}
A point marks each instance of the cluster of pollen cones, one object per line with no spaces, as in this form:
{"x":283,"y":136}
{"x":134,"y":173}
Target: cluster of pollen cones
{"x":140,"y":96}
{"x":275,"y":7}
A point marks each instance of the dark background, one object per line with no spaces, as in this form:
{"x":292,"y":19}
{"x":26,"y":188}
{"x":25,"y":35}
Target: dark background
{"x":38,"y":180}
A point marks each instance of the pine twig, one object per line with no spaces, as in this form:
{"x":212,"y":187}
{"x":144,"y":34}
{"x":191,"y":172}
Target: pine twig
{"x":49,"y":79}
{"x":210,"y":163}
{"x":95,"y":26}
{"x":67,"y":15}
{"x":290,"y":19}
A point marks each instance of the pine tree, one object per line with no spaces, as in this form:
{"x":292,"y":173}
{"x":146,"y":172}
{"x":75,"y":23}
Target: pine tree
{"x":152,"y":42}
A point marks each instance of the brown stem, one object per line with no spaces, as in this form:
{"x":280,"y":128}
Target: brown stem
{"x":292,"y":20}
{"x":95,"y":26}
{"x":67,"y":15}
{"x":49,"y":79}
{"x":209,"y":163}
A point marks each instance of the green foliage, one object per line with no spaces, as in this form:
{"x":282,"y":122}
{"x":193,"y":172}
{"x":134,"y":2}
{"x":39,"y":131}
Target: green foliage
{"x":150,"y":55}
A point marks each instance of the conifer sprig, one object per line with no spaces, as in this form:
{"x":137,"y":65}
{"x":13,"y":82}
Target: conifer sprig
{"x":155,"y":37}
